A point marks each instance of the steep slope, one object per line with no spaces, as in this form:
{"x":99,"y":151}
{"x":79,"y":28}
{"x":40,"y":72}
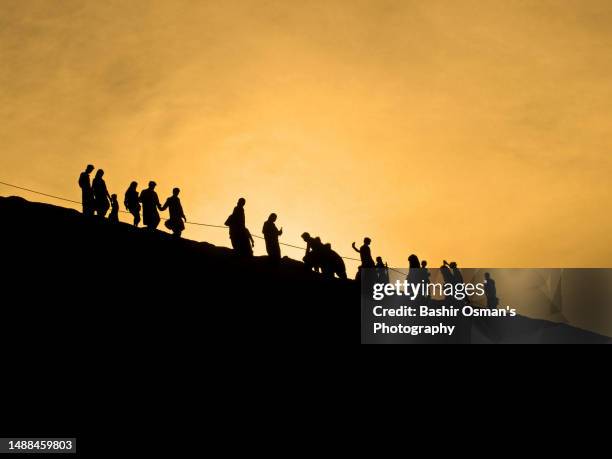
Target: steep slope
{"x":72,"y":283}
{"x":69,"y":277}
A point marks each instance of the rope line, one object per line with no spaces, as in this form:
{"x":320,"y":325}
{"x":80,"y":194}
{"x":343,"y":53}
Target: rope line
{"x":208,"y":225}
{"x":40,"y":193}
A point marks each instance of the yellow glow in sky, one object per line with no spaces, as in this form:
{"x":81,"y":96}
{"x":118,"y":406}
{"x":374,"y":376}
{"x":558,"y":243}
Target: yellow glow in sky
{"x":478,"y":131}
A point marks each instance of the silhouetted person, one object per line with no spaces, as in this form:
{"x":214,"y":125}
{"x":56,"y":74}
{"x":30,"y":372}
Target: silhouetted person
{"x":413,"y":262}
{"x":271,"y":234}
{"x":447,"y":275}
{"x":452,"y":275}
{"x":425,"y":272}
{"x":491,"y":292}
{"x":332,"y":263}
{"x":456,"y":273}
{"x":307,"y":238}
{"x":132,"y":202}
{"x":241,"y":238}
{"x":114,"y":215}
{"x":248,"y":242}
{"x":415,"y":273}
{"x":87,"y":196}
{"x":382,"y":271}
{"x":101,"y":195}
{"x":365,"y":254}
{"x":150,"y":206}
{"x":314,"y":252}
{"x":236,"y":223}
{"x":177,"y":220}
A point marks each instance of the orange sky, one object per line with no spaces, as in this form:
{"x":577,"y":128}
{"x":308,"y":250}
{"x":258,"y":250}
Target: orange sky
{"x":472,"y":130}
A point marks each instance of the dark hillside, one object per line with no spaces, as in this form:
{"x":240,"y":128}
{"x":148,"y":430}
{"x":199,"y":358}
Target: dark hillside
{"x":78,"y":280}
{"x":94,"y":286}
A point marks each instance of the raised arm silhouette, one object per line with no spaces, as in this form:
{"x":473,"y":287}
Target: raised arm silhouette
{"x":447,"y":274}
{"x":365,"y":254}
{"x":176,"y":222}
{"x":87,"y":196}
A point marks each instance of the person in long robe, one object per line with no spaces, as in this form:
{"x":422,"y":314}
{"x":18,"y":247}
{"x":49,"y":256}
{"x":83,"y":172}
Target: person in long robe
{"x":132,"y":202}
{"x":150,"y":206}
{"x":271,"y":234}
{"x":101,"y":195}
{"x":242,"y":240}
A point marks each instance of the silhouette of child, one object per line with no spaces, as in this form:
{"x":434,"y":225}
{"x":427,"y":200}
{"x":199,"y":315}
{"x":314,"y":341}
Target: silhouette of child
{"x":114,"y":215}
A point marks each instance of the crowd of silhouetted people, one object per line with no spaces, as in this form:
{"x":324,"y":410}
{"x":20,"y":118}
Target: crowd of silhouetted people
{"x":97,"y":201}
{"x":319,"y":256}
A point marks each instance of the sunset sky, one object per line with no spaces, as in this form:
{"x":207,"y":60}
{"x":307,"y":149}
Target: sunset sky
{"x":470,"y":130}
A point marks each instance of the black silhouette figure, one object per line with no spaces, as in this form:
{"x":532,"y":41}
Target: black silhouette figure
{"x":86,"y":191}
{"x":241,"y":238}
{"x":418,"y":274}
{"x":458,"y":277}
{"x":414,"y":273}
{"x":248,"y":243}
{"x":150,"y":206}
{"x":332,"y":263}
{"x":314,"y":252}
{"x":365,"y":254}
{"x":447,"y":274}
{"x":452,"y":275}
{"x":177,"y":220}
{"x":114,"y":215}
{"x":382,"y":271}
{"x":101,"y":195}
{"x":426,"y":275}
{"x":132,"y":202}
{"x":491,"y":292}
{"x":271,"y":234}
